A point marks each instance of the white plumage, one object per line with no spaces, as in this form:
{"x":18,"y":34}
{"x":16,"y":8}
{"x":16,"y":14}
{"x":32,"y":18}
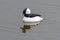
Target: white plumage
{"x":34,"y":19}
{"x":31,"y":20}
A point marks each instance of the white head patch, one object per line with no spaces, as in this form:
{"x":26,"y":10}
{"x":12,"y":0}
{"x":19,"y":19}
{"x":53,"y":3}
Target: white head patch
{"x":28,"y":11}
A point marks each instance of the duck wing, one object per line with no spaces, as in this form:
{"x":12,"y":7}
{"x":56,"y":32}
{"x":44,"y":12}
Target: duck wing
{"x":32,"y":15}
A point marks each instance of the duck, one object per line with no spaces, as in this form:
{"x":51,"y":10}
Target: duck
{"x":30,"y":18}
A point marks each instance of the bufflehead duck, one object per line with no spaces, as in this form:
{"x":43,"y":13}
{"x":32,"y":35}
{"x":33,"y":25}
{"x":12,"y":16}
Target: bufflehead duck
{"x":31,"y":19}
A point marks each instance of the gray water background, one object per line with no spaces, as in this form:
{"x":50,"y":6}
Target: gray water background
{"x":11,"y":19}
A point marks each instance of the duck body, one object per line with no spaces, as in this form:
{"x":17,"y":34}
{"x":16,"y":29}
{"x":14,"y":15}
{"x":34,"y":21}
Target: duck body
{"x":31,"y":19}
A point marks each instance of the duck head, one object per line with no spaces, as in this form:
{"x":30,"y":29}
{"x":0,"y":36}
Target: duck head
{"x":26,"y":11}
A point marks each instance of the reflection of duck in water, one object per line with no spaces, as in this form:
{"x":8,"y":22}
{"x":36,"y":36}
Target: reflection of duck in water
{"x":30,"y":19}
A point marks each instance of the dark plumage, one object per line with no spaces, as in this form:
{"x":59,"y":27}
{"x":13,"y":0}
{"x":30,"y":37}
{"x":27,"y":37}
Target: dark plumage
{"x":24,"y":11}
{"x":32,"y":15}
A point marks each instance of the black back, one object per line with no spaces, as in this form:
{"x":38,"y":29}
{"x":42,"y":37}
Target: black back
{"x":32,"y":15}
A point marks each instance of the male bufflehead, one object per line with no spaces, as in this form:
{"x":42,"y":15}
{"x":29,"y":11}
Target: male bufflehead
{"x":31,"y":19}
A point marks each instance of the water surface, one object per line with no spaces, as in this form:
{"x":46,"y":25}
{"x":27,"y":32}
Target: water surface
{"x":11,"y":20}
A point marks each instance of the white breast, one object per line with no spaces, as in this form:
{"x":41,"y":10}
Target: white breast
{"x":33,"y":19}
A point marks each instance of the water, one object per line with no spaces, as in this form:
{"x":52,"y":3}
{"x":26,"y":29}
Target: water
{"x":11,"y":20}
